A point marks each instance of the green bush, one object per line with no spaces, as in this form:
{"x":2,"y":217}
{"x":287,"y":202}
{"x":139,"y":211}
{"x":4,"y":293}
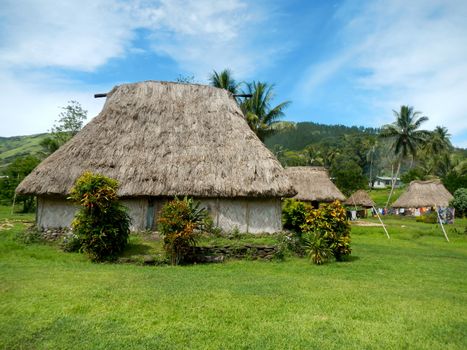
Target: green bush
{"x":102,"y":224}
{"x":293,"y":214}
{"x":71,"y":243}
{"x":180,"y":223}
{"x":428,"y":218}
{"x":317,"y":248}
{"x":330,"y":224}
{"x":29,"y":236}
{"x":459,"y":202}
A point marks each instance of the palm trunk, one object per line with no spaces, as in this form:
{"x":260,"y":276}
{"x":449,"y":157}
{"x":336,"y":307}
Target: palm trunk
{"x":394,"y":180}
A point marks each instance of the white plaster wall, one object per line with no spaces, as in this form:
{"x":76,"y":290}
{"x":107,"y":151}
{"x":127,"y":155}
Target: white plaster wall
{"x":137,"y":209}
{"x":58,"y":212}
{"x":54,"y":212}
{"x":265,"y":216}
{"x":247,"y":215}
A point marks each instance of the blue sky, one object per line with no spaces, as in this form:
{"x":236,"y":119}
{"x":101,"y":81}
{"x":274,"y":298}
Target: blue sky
{"x":346,"y":62}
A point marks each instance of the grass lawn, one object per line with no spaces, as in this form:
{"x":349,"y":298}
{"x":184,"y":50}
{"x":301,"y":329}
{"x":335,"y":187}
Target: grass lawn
{"x":380,"y":196}
{"x":406,"y":292}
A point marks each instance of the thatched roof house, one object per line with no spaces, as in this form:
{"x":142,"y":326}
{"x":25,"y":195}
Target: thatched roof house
{"x":313,"y":184}
{"x":160,"y":140}
{"x":421,"y":194}
{"x":360,"y":198}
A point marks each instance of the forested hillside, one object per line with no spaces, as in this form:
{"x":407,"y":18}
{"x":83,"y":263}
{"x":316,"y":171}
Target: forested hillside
{"x":305,"y":133}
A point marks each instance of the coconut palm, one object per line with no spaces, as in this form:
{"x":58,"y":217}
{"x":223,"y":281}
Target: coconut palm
{"x":224,"y":80}
{"x":406,"y":137}
{"x":261,"y":117}
{"x":439,"y":141}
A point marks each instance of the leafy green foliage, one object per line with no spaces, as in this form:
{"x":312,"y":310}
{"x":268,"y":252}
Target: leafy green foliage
{"x":224,"y":80}
{"x":329,"y":222}
{"x":317,"y":248}
{"x":179,"y":224}
{"x":29,"y":236}
{"x":260,"y":115}
{"x":455,"y":179}
{"x":102,"y":224}
{"x":459,"y":202}
{"x":14,"y":174}
{"x":70,"y":121}
{"x":428,"y":218}
{"x":348,"y":175}
{"x":294,"y":213}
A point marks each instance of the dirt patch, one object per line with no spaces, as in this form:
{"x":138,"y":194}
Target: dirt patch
{"x":365,"y":223}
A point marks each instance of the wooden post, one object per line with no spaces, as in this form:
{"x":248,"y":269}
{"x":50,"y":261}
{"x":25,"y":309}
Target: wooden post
{"x":441,"y":223}
{"x":13,"y":206}
{"x":381,"y":221}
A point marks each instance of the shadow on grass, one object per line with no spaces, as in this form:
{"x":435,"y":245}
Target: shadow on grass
{"x":137,"y":249}
{"x":349,"y":258}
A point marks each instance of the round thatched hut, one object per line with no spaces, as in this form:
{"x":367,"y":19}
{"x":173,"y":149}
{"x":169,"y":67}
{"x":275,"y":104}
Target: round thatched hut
{"x":161,"y":140}
{"x":421,"y":194}
{"x":360,"y":198}
{"x":313,"y":184}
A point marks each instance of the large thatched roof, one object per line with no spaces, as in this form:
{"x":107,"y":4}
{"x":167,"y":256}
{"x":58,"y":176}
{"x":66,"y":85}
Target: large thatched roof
{"x":424,"y":194}
{"x":313,"y":184}
{"x":360,"y":198}
{"x":166,"y":139}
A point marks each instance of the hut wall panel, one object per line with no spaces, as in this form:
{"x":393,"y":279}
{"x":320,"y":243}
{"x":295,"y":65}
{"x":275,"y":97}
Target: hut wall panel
{"x":54,"y":212}
{"x":265,"y":216}
{"x":253,"y":215}
{"x":232,"y":214}
{"x":137,"y":209}
{"x":247,"y":215}
{"x":58,"y":212}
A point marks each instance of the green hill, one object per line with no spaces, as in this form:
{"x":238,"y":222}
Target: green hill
{"x":307,"y":133}
{"x":19,"y":146}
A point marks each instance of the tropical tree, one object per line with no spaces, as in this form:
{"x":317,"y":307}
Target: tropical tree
{"x":261,"y":117}
{"x":14,"y":174}
{"x":439,"y":141}
{"x":70,"y":121}
{"x":406,"y":137}
{"x":224,"y":80}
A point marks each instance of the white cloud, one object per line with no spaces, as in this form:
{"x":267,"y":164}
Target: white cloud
{"x":79,"y":35}
{"x":30,"y":107}
{"x":37,"y":37}
{"x":412,"y":52}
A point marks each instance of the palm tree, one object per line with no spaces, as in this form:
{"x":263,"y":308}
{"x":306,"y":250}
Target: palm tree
{"x":406,"y":137}
{"x":439,"y":141}
{"x":261,"y":117}
{"x":224,"y":80}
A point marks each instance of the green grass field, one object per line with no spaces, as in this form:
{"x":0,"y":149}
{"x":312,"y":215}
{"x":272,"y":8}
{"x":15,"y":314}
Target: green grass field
{"x":380,"y":196}
{"x":406,"y":292}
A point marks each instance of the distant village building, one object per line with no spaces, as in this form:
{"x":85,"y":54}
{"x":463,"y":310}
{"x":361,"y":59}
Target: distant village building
{"x":385,"y":181}
{"x":313,"y":185}
{"x":423,"y":195}
{"x":359,"y":203}
{"x":162,"y":140}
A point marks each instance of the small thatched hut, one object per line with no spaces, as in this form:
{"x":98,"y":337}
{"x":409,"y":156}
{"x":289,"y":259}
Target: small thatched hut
{"x":161,"y":140}
{"x":360,"y":198}
{"x":313,"y":184}
{"x":420,"y":194}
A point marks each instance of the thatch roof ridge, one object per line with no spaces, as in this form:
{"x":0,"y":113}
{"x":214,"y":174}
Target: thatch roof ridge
{"x":360,"y":198}
{"x":429,"y":193}
{"x":166,"y":139}
{"x":313,"y":184}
